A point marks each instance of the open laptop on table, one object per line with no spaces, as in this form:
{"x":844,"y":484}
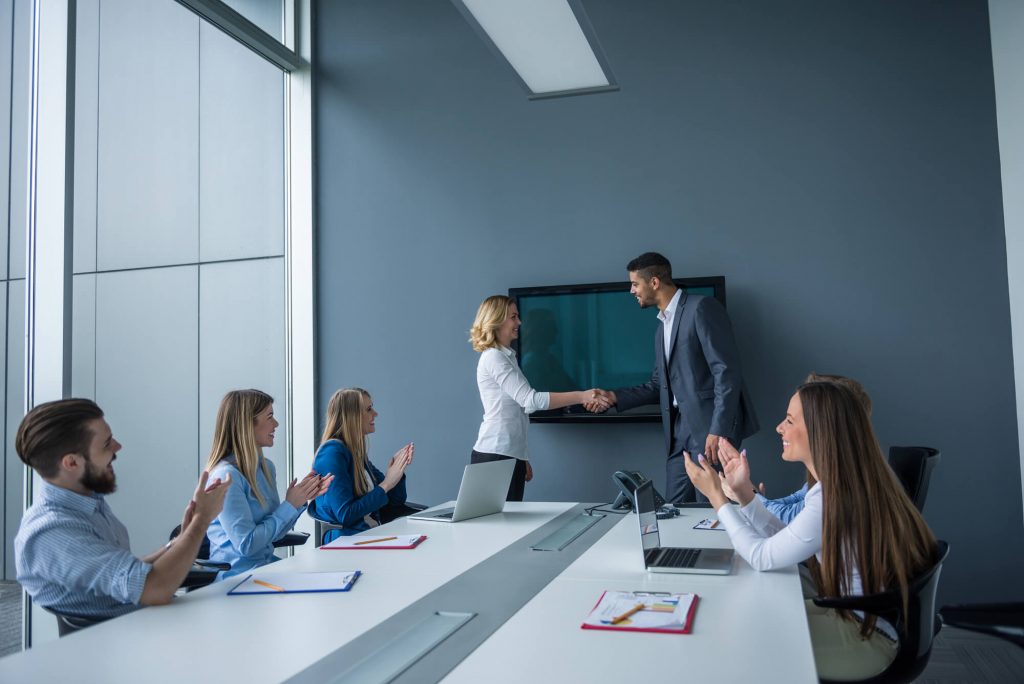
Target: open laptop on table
{"x":658,"y":558}
{"x":482,"y":492}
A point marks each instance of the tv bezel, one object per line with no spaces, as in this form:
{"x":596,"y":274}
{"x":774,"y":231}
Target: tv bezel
{"x":717,"y":283}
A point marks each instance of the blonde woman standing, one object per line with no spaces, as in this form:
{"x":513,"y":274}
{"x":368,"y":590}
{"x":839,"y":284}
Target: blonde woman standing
{"x":505,"y":392}
{"x":253,"y":516}
{"x":358,"y":491}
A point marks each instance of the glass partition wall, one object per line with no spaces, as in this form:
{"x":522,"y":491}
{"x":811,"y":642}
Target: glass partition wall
{"x":188,"y":186}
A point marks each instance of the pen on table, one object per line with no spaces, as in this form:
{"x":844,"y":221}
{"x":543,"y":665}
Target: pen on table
{"x":632,"y":611}
{"x":373,"y":541}
{"x":268,"y":585}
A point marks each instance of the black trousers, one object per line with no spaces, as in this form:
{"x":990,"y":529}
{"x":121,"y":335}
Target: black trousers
{"x":678,"y":488}
{"x":517,"y":487}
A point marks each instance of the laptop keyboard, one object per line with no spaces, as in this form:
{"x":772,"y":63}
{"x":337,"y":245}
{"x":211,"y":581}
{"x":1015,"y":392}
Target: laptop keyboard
{"x":673,"y":558}
{"x":445,"y":515}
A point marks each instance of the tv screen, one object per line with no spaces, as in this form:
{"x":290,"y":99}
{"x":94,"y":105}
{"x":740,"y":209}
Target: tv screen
{"x":581,"y":336}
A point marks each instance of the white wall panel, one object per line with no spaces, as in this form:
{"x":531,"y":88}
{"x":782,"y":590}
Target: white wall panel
{"x":146,"y":382}
{"x":20,"y":59}
{"x":14,"y":410}
{"x":6,"y":25}
{"x":83,"y":337}
{"x":1007,"y":21}
{"x":10,"y":482}
{"x":87,"y":55}
{"x":148,"y":134}
{"x":241,"y":342}
{"x":241,"y":119}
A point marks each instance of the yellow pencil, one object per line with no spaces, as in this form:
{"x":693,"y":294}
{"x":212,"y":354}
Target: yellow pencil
{"x":373,"y":541}
{"x":632,"y":611}
{"x":268,"y":585}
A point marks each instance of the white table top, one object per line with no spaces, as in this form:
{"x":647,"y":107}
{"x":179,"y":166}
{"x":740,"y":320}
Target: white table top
{"x":745,"y":622}
{"x":210,"y":637}
{"x":207,"y":636}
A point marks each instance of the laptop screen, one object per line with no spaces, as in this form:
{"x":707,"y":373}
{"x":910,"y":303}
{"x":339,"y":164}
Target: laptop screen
{"x":648,"y":516}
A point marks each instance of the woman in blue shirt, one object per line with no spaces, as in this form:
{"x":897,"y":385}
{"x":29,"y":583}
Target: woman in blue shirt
{"x":253,"y":516}
{"x":359,"y":490}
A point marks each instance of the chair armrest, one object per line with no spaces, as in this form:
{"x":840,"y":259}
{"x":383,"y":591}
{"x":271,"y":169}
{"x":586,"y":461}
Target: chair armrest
{"x":876,"y":604}
{"x":416,"y":506}
{"x":292,"y":539}
{"x":199,"y":578}
{"x":211,"y":565}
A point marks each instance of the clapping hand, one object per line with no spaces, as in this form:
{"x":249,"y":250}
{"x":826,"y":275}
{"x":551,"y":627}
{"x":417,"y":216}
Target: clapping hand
{"x":705,"y":478}
{"x":207,"y":501}
{"x":396,"y":467}
{"x":311,"y":486}
{"x":736,"y":472}
{"x":404,"y":454}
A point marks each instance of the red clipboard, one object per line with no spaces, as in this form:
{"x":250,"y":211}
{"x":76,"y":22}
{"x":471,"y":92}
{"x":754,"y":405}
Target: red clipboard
{"x":685,"y":629}
{"x":367,"y":544}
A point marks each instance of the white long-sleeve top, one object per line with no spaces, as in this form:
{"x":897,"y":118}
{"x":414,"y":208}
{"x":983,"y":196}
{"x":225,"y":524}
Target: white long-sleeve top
{"x":508,"y":399}
{"x":767,"y":543}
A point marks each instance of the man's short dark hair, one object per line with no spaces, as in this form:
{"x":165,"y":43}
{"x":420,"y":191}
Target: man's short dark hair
{"x":53,"y":429}
{"x":651,"y":265}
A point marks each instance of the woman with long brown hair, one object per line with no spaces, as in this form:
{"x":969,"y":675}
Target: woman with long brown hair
{"x":253,"y":515}
{"x":859,"y":532}
{"x":359,"y":491}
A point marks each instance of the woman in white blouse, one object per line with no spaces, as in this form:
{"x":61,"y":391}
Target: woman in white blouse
{"x":858,"y":532}
{"x":506,"y":394}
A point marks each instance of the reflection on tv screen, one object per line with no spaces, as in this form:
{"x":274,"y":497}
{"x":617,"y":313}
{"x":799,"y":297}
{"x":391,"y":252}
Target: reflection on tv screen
{"x":571,"y":341}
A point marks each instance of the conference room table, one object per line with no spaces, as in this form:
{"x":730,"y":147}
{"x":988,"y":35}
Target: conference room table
{"x":521,"y":612}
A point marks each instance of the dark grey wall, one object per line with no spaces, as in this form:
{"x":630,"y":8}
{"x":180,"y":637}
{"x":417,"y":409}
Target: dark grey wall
{"x":837,"y":162}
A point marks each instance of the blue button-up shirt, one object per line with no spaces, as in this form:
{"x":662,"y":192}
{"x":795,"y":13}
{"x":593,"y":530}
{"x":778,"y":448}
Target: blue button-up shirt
{"x":72,"y":556}
{"x":786,"y":508}
{"x":244,"y":532}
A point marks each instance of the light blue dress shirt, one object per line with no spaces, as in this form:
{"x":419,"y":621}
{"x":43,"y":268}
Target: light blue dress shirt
{"x":244,"y":532}
{"x":786,"y":508}
{"x":72,"y":556}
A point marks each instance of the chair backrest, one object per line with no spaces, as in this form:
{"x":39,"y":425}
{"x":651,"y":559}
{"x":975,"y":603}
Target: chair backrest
{"x":913,"y":466}
{"x":204,"y":549}
{"x":916,"y":625}
{"x":321,"y":527}
{"x":919,"y":622}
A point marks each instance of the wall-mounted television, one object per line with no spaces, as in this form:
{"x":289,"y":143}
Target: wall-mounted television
{"x":581,"y":336}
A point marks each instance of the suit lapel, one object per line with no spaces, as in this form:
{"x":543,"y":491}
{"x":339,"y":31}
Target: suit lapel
{"x":675,"y":326}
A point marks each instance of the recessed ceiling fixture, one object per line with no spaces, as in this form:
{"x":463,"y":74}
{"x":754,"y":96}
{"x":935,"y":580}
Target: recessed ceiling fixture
{"x":549,"y":44}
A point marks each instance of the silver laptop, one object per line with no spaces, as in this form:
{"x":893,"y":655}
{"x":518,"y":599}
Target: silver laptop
{"x":483,"y":491}
{"x":658,"y":558}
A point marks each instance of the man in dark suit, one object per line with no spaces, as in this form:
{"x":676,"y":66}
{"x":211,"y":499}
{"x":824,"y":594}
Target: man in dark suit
{"x":696,"y":376}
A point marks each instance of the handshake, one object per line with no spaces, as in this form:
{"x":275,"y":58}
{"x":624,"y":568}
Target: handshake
{"x":598,"y":400}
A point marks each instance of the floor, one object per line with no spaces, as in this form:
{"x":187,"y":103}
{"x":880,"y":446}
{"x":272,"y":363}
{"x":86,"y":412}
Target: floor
{"x":958,"y":656}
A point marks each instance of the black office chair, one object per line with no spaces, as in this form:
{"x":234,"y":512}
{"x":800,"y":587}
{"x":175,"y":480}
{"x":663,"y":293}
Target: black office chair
{"x":69,"y":624}
{"x":387,"y":514}
{"x":290,"y":539}
{"x":1003,"y":620}
{"x":917,"y":627}
{"x":913,"y":466}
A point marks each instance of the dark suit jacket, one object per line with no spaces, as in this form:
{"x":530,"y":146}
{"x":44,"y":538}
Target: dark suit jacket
{"x":704,"y":372}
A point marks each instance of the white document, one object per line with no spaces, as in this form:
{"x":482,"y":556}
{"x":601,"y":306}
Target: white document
{"x":295,"y":582}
